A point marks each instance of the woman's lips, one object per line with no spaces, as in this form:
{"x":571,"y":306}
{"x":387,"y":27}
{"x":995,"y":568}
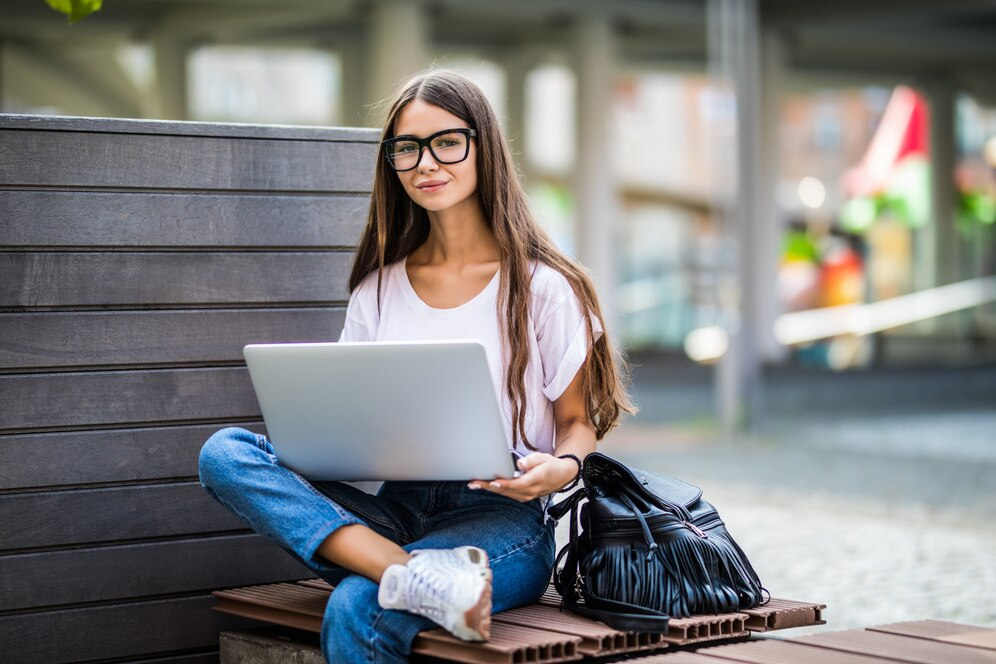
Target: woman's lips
{"x":431,"y":185}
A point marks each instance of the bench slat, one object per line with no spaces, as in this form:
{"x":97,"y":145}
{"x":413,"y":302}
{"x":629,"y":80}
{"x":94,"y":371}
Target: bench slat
{"x":109,"y":338}
{"x":99,"y":398}
{"x":597,"y":640}
{"x":167,"y":127}
{"x":944,"y":631}
{"x":904,"y":648}
{"x":269,"y":614}
{"x":176,"y":220}
{"x":698,"y":629}
{"x":163,"y":161}
{"x":771,"y":651}
{"x":69,"y":517}
{"x":678,"y":658}
{"x":155,"y":568}
{"x":784,"y":614}
{"x":507,"y":644}
{"x":288,"y":597}
{"x":148,"y":279}
{"x":125,"y":630}
{"x":38,"y":460}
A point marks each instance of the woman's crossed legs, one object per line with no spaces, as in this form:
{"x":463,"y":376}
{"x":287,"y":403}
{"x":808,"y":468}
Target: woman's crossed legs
{"x":239,"y":469}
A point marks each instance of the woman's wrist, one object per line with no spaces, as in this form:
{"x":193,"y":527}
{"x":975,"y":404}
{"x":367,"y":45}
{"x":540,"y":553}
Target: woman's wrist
{"x":577,"y":476}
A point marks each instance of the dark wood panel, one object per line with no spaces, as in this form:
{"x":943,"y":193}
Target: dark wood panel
{"x":123,"y":219}
{"x":89,"y":399}
{"x":206,"y":657}
{"x":62,"y":518}
{"x":121,"y":630}
{"x":119,"y":572}
{"x":117,"y":455}
{"x":72,"y":159}
{"x":68,"y":339}
{"x":142,"y":278}
{"x":170,"y":128}
{"x":153,"y":220}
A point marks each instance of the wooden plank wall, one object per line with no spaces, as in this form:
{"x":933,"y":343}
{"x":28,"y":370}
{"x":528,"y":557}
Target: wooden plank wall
{"x":136,"y":259}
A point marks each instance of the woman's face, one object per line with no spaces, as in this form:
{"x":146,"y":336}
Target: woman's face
{"x":432,"y":185}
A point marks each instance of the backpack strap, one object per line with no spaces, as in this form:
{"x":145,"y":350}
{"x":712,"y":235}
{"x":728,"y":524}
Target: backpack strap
{"x":622,"y":616}
{"x":617,"y":615}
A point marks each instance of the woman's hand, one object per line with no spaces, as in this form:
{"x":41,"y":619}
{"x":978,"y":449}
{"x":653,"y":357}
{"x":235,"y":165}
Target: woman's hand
{"x":542,"y":474}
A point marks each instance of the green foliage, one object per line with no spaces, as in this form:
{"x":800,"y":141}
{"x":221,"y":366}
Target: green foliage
{"x":858,"y":214}
{"x":907,"y":198}
{"x":976,"y":214}
{"x":75,"y":9}
{"x":975,"y":209}
{"x":979,"y":205}
{"x":799,"y":245}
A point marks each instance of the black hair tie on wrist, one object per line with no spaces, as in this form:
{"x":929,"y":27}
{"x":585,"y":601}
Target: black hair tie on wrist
{"x":577,"y":478}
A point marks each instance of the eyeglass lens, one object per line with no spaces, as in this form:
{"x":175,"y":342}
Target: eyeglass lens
{"x":446,"y":148}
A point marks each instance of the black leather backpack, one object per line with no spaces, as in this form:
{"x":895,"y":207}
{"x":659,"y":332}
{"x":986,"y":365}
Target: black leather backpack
{"x":649,"y":548}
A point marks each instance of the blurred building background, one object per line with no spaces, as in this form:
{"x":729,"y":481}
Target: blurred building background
{"x":781,"y":190}
{"x":624,"y":118}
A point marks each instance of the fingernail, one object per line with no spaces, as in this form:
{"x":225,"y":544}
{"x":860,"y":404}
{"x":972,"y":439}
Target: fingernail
{"x":496,"y":485}
{"x":473,"y":487}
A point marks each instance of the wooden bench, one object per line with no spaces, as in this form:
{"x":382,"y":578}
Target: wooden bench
{"x":537,"y":633}
{"x":541,"y":633}
{"x":915,"y":642}
{"x":136,"y":259}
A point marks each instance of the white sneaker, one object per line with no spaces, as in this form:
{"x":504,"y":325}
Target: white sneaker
{"x":451,"y":587}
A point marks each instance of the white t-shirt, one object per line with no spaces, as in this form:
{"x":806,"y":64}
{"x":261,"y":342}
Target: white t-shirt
{"x":557,"y":339}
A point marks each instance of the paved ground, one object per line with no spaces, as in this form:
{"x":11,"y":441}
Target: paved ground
{"x":874,"y":493}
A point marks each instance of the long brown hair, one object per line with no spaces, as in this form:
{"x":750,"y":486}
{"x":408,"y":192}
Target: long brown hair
{"x":396,"y":227}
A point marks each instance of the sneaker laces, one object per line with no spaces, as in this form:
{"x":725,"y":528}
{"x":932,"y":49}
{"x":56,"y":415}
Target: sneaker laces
{"x":429,"y":588}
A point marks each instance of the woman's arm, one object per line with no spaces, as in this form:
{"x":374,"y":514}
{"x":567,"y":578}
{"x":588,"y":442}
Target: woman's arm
{"x":542,"y":473}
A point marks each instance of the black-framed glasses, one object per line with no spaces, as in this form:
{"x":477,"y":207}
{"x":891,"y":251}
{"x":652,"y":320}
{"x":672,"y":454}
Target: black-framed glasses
{"x":449,"y":146}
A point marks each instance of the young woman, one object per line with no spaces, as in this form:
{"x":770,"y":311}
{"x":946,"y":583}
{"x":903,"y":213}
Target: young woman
{"x":450,"y":251}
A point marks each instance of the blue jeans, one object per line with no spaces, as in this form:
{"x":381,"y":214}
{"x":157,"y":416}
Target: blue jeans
{"x":238,"y":468}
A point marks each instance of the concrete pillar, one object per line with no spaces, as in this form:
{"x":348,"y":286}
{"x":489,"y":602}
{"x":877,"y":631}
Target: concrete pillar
{"x":41,"y":77}
{"x":353,"y":109}
{"x":940,"y":257}
{"x":3,"y":78}
{"x":517,"y":66}
{"x":595,"y":187}
{"x":397,"y":46}
{"x":735,"y":53}
{"x":941,"y":99}
{"x":770,"y":225}
{"x":171,"y":76}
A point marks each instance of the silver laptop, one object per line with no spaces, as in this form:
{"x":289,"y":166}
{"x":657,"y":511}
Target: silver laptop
{"x":381,"y":410}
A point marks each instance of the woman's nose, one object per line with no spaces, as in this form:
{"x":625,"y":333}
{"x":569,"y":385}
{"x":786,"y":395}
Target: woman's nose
{"x":427,"y":162}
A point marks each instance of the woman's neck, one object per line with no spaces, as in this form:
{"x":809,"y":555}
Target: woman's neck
{"x":457,"y":236}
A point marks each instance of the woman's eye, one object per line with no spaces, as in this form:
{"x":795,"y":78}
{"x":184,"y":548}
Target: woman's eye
{"x":404,"y":147}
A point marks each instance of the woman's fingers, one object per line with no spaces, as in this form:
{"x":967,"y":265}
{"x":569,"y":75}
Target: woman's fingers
{"x":531,"y":484}
{"x":530,"y":461}
{"x":536,"y":480}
